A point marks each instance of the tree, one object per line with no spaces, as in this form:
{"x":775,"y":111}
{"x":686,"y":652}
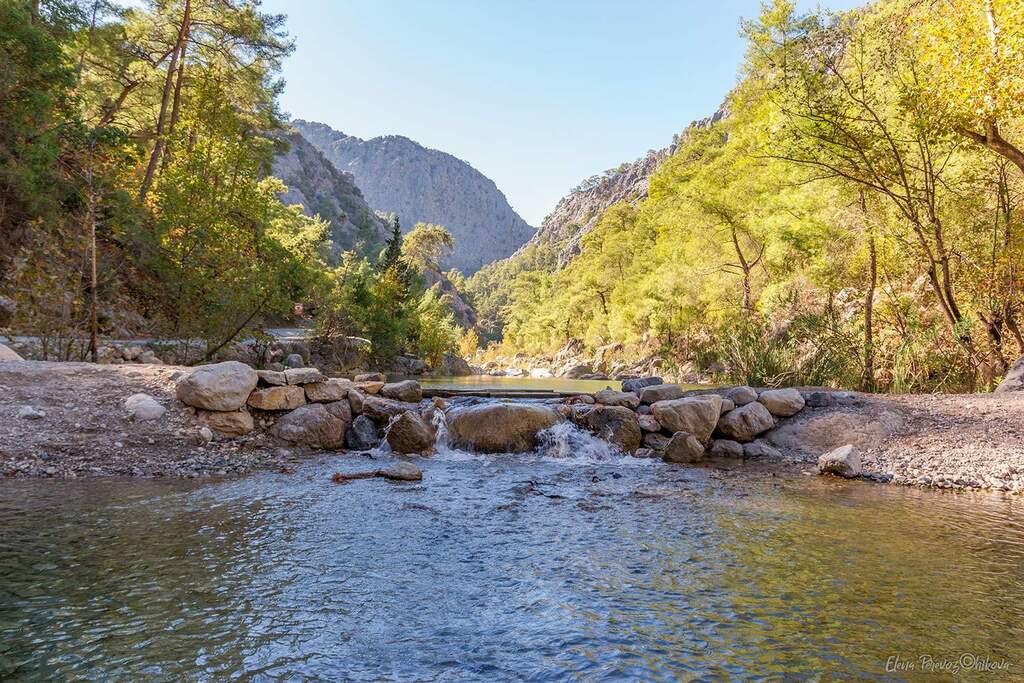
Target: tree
{"x":425,"y":246}
{"x":971,"y":57}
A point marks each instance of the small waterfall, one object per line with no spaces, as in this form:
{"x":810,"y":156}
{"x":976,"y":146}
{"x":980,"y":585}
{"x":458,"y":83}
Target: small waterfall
{"x":566,"y":441}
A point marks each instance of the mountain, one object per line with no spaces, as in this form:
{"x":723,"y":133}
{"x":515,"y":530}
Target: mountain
{"x":425,"y":185}
{"x":322,"y":189}
{"x":578,"y":212}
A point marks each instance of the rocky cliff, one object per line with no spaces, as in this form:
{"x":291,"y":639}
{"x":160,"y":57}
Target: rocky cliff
{"x":578,"y":212}
{"x":321,"y":189}
{"x":419,"y":184}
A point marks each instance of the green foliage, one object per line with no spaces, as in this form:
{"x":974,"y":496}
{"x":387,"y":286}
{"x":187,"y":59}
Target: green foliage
{"x":839,"y":184}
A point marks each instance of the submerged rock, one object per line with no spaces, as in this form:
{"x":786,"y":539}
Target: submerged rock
{"x":759,"y":449}
{"x":401,"y":471}
{"x":499,"y":427}
{"x":726,"y":448}
{"x":362,"y":435}
{"x":615,"y":424}
{"x":220,"y":387}
{"x":843,"y":461}
{"x":684,"y":448}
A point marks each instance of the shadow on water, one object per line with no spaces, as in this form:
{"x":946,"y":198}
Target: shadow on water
{"x":504,"y":568}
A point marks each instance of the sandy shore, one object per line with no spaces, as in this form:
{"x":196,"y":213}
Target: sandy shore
{"x":949,"y":441}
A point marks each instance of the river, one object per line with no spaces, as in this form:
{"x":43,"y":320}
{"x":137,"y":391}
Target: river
{"x":574,"y":565}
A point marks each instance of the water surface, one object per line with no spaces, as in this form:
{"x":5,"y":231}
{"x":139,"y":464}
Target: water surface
{"x":505,"y":568}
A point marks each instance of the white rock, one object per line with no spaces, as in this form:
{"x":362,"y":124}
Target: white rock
{"x":843,"y":461}
{"x":31,"y":413}
{"x":696,"y":415}
{"x":221,"y":386}
{"x":303,"y":375}
{"x":143,"y":407}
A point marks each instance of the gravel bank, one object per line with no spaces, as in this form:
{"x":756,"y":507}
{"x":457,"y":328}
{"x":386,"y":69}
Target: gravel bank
{"x":85,"y":429}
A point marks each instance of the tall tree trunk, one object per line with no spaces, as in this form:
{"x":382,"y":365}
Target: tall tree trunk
{"x":172,"y":69}
{"x":93,"y":296}
{"x":868,"y":380}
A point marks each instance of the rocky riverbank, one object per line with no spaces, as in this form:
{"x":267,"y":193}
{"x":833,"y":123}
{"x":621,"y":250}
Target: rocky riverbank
{"x":80,"y":420}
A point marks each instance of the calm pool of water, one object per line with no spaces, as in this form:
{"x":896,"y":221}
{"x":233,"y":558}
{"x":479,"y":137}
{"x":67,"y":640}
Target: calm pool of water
{"x":505,"y":568}
{"x":485,"y":382}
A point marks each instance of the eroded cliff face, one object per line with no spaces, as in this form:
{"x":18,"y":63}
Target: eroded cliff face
{"x":578,"y":212}
{"x":419,"y":184}
{"x":322,"y":189}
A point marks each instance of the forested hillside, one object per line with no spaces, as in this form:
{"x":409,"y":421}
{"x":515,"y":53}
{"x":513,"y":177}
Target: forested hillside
{"x":136,"y":191}
{"x":856,"y":220}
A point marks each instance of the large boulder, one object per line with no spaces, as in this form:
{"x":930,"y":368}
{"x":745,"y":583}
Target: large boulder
{"x":743,"y":424}
{"x":363,"y":435}
{"x":742,"y":395}
{"x":684,"y":448}
{"x":277,"y":398}
{"x":637,"y":384}
{"x":726,"y":448}
{"x":453,"y":366}
{"x":408,"y":433}
{"x":696,"y":415}
{"x":815,"y":432}
{"x":408,"y":391}
{"x":220,"y":387}
{"x":229,"y":423}
{"x":300,"y":376}
{"x":7,"y":353}
{"x":615,"y":424}
{"x":782,"y":402}
{"x":327,"y":392}
{"x":499,"y":427}
{"x":610,"y":397}
{"x":311,"y":425}
{"x":381,"y":410}
{"x":341,"y":410}
{"x":272,"y":378}
{"x":660,"y":392}
{"x":843,"y":461}
{"x":1014,"y":380}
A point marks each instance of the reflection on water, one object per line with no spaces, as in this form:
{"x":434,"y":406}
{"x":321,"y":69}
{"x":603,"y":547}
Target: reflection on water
{"x":504,"y":568}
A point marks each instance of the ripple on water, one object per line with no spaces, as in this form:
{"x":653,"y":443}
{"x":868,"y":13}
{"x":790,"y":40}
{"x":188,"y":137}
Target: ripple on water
{"x":565,"y":564}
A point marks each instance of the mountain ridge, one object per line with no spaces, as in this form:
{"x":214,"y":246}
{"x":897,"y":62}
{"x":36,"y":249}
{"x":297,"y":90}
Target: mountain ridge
{"x":420,"y":184}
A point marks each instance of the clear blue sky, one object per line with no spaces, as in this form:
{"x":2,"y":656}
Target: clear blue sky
{"x":535,"y":94}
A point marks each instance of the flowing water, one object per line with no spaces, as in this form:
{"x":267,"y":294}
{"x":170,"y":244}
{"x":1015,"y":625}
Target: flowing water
{"x":572,"y":563}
